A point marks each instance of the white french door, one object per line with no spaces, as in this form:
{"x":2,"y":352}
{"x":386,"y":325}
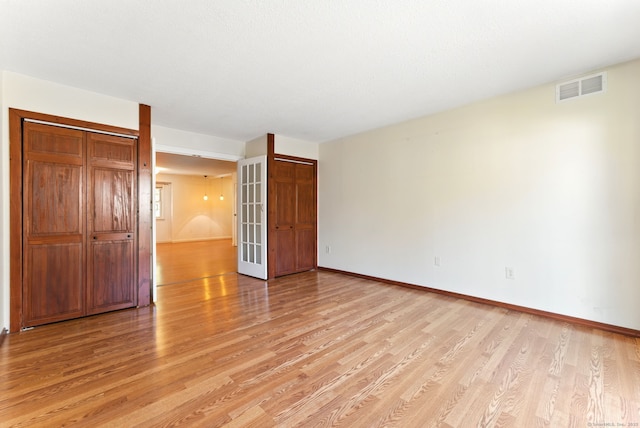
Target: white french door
{"x":252,"y":217}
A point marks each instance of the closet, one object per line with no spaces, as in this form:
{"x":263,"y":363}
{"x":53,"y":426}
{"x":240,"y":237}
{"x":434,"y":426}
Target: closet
{"x":79,"y":198}
{"x":292,"y":215}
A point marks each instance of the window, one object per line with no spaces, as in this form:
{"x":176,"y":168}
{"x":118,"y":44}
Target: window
{"x":157,"y":203}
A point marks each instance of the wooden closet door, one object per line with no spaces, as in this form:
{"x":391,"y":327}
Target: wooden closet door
{"x":111,"y":182}
{"x":306,"y":217}
{"x":293,"y":216}
{"x":54,"y":224}
{"x":283,"y":217}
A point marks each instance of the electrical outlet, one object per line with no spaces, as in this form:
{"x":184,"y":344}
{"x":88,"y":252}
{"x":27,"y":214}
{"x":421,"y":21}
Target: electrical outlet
{"x":508,"y":273}
{"x":437,"y":261}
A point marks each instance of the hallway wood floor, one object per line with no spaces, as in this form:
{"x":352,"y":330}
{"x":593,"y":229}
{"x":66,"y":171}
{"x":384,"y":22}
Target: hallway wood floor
{"x":317,"y":349}
{"x":184,"y":261}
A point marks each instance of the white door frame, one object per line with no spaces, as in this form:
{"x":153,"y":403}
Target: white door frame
{"x":154,"y":271}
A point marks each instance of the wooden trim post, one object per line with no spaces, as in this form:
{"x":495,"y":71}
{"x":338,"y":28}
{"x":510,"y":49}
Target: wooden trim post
{"x":271,"y":248}
{"x":145,"y":204}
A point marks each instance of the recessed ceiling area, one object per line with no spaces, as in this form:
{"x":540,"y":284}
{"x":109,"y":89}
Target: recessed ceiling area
{"x":313,"y":70}
{"x":168,"y":163}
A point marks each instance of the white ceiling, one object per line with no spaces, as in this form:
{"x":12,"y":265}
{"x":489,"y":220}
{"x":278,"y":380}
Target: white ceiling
{"x":310,"y":69}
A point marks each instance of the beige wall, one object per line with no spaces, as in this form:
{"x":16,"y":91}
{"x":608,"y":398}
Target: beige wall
{"x":192,"y":218}
{"x":550,"y":190}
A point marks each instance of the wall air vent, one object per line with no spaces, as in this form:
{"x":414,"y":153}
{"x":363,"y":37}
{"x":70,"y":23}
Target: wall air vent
{"x":593,"y":84}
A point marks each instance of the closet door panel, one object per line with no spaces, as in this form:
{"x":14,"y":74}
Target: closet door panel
{"x":54,"y":199}
{"x":306,"y":218}
{"x":305,"y":249}
{"x":284,"y":218}
{"x":53,"y":224}
{"x":55,"y":283}
{"x":110,"y":275}
{"x":111,"y":181}
{"x":112,"y":197}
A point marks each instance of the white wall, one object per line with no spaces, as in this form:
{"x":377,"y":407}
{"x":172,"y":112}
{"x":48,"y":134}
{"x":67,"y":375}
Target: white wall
{"x":27,"y":93}
{"x":176,"y":141}
{"x":293,"y":147}
{"x":282,"y":145}
{"x":4,"y":218}
{"x":550,"y":190}
{"x":256,"y":147}
{"x":194,"y":219}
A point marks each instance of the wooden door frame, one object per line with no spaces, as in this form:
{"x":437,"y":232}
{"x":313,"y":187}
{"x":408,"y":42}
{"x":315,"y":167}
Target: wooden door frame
{"x":271,"y":203}
{"x":145,"y":206}
{"x":16,"y":118}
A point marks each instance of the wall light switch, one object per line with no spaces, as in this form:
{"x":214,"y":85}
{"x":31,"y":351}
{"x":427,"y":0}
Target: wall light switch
{"x":508,"y":273}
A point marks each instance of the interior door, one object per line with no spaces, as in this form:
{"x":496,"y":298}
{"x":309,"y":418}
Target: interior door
{"x":54,"y":224}
{"x":111,"y":277}
{"x":252,"y":217}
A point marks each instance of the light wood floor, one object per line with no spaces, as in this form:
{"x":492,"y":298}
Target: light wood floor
{"x":317,"y":349}
{"x":182,"y":261}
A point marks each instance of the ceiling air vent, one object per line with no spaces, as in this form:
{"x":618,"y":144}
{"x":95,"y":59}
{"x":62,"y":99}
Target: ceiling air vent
{"x":593,"y":84}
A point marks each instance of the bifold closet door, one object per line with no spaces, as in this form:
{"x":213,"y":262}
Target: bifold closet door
{"x":293,"y":216}
{"x":53,"y":224}
{"x":111,"y":198}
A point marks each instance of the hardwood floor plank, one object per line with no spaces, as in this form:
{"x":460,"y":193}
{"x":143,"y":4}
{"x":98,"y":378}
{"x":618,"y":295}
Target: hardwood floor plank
{"x":316,"y":349}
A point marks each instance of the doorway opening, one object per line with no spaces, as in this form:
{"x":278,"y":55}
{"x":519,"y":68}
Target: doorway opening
{"x":195,"y":217}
